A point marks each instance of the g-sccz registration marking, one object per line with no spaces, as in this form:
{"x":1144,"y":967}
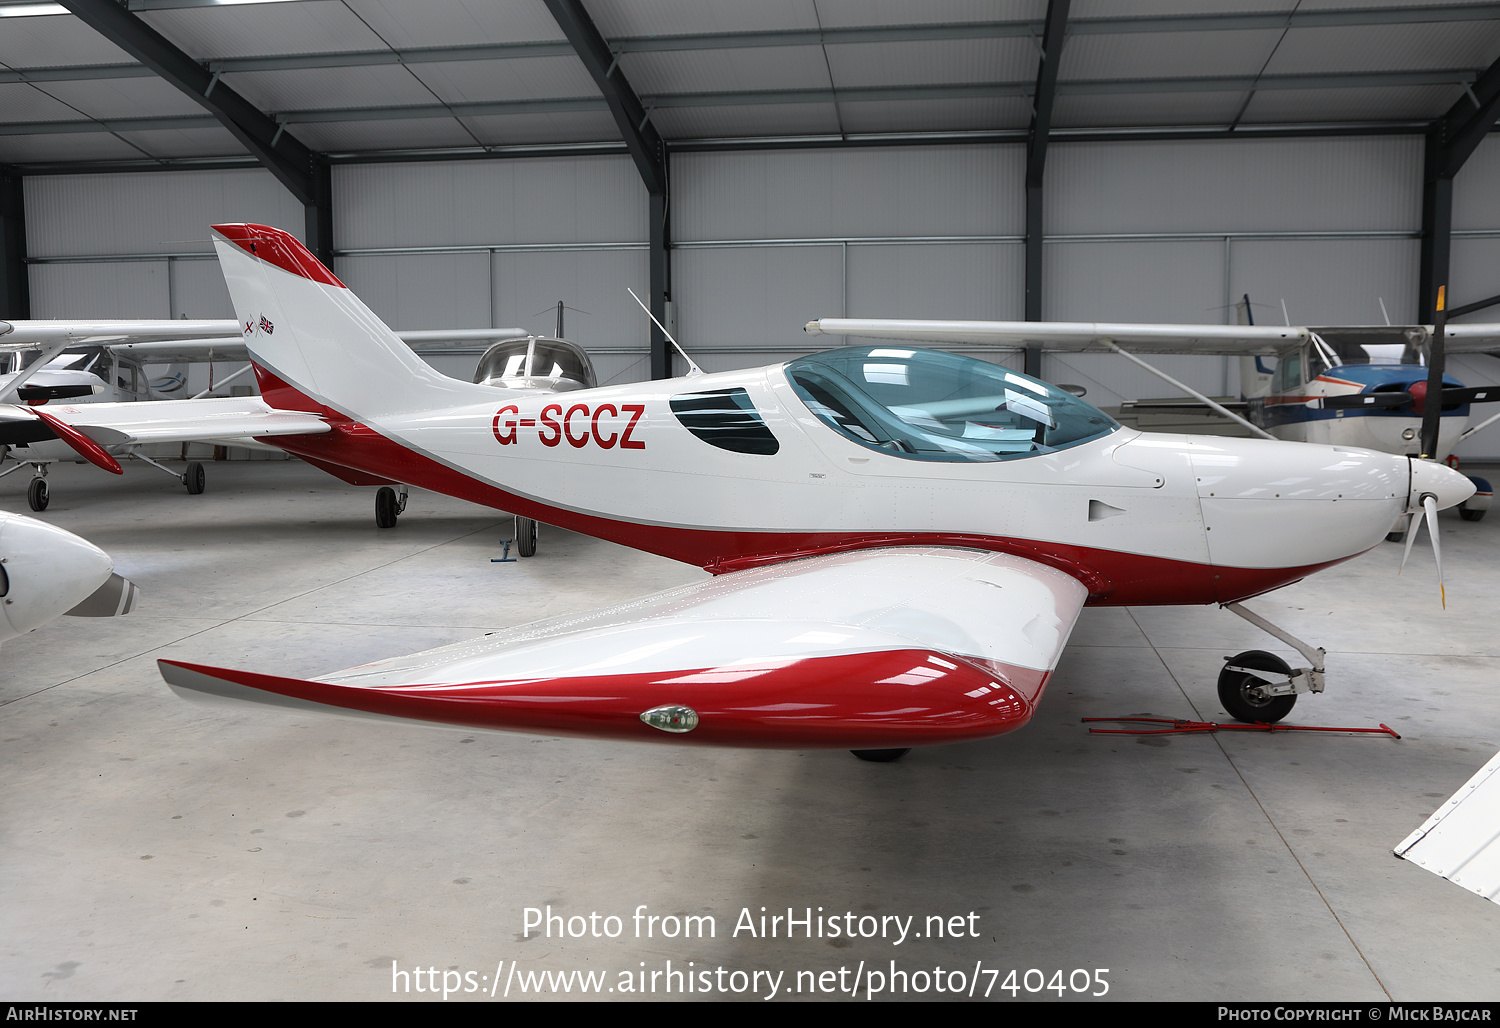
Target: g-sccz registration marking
{"x":508,"y":433}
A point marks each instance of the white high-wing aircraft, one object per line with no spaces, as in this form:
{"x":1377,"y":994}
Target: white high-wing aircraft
{"x":1360,"y":386}
{"x":46,"y":572}
{"x":103,"y":364}
{"x":901,"y":539}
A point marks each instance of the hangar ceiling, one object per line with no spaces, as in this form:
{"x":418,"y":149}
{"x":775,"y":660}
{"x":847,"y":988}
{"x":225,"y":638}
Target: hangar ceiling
{"x":363,"y":80}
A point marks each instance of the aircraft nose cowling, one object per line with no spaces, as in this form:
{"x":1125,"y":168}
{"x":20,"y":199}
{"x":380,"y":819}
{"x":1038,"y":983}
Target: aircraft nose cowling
{"x":1295,"y":505}
{"x":47,"y":572}
{"x":1439,"y":480}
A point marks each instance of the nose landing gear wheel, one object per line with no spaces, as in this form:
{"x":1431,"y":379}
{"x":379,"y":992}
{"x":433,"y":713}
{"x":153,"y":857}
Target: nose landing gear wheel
{"x":36,"y":494}
{"x":881,"y":756}
{"x":1235,"y":689}
{"x":526,"y":537}
{"x":194,"y":478}
{"x":385,"y":507}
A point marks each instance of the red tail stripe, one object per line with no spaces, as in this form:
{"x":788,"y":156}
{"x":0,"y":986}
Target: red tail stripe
{"x":279,"y":248}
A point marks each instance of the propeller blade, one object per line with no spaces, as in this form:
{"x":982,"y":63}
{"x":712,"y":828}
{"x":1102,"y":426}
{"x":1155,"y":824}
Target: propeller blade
{"x":1432,"y":413}
{"x":1352,"y":401}
{"x":1429,"y":502}
{"x":1412,"y":523}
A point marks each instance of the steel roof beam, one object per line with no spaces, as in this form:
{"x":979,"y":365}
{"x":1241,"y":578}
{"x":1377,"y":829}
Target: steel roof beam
{"x":633,"y":119}
{"x":1401,"y":15}
{"x":1450,"y":141}
{"x":1354,"y":80}
{"x":298,"y":168}
{"x":1043,"y":95}
{"x":15,"y":288}
{"x":786,"y":37}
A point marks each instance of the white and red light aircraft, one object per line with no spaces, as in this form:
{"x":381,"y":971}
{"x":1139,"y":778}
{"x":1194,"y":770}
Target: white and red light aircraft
{"x":901,"y":539}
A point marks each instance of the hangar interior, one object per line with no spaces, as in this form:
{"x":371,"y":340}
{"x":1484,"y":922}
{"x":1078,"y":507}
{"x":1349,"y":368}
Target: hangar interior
{"x":746,"y":168}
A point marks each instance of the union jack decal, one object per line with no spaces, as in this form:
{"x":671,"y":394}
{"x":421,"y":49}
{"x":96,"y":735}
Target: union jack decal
{"x":266,"y":326}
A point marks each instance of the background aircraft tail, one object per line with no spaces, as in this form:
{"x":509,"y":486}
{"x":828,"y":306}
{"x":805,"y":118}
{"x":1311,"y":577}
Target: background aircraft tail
{"x":310,"y":336}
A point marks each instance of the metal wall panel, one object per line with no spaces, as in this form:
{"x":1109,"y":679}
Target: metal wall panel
{"x":528,"y":285}
{"x":1283,"y":185}
{"x":754,"y":298}
{"x":963,"y":281}
{"x":1326,"y":281}
{"x":1474,"y":273}
{"x":1476,"y":198}
{"x":154,"y":212}
{"x":1134,"y":280}
{"x":487,"y":203}
{"x":419,"y":291}
{"x":893,"y":191}
{"x":133,"y":289}
{"x":198,"y":290}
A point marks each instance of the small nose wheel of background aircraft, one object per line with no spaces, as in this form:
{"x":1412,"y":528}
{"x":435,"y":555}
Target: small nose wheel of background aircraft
{"x":388,"y":506}
{"x":36,"y":494}
{"x":525,"y":537}
{"x":194,"y":478}
{"x":1242,"y":692}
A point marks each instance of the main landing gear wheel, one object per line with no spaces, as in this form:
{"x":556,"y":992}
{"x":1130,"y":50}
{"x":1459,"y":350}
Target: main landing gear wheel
{"x":881,"y":756}
{"x":36,"y":494}
{"x":1469,"y":515}
{"x":1235,"y":689}
{"x":526,"y":537}
{"x":386,"y":507}
{"x":194,"y":478}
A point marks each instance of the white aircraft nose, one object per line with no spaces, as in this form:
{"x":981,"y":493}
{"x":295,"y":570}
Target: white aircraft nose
{"x":1439,"y":480}
{"x":44,"y":572}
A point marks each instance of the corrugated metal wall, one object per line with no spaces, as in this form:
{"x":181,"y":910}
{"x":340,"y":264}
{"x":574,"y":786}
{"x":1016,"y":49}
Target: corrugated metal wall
{"x":764,"y":241}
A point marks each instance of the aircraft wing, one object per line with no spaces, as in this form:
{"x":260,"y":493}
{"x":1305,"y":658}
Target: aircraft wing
{"x":17,"y":335}
{"x":1233,"y":340}
{"x":229,"y":346}
{"x":869,"y":649}
{"x":1476,"y":338}
{"x":120,"y":425}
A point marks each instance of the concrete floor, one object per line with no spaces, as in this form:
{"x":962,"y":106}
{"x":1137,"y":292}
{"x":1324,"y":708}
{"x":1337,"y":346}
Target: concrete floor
{"x":153,"y":849}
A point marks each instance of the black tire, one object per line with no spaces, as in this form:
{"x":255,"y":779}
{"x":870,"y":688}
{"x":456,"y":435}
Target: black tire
{"x":525,"y":537}
{"x":1394,"y":537}
{"x":1235,"y":686}
{"x":881,"y":756}
{"x":385,"y":507}
{"x":195,"y":479}
{"x":1469,"y":515}
{"x":36,"y":494}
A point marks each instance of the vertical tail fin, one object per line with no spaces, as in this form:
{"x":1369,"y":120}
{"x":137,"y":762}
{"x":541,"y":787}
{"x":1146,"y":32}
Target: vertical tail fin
{"x":309,"y":334}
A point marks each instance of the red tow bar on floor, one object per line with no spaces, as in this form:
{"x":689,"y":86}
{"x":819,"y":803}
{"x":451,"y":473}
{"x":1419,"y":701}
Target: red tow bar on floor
{"x":1181,"y":726}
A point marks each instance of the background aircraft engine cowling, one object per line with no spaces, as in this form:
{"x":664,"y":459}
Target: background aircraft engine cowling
{"x":47,"y":572}
{"x":536,"y":362}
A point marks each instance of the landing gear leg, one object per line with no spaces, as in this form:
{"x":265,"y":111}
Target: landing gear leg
{"x":193,"y":476}
{"x":36,"y":493}
{"x":525,"y":537}
{"x":1259,"y":687}
{"x":388,"y":506}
